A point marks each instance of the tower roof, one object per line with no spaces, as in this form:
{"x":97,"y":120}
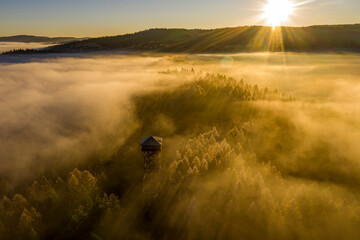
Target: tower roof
{"x":151,"y":141}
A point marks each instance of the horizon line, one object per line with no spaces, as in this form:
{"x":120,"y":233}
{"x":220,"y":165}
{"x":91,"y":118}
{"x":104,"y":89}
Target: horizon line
{"x":180,"y":28}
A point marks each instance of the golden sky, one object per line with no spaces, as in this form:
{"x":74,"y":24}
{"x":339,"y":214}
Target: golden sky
{"x":88,"y":18}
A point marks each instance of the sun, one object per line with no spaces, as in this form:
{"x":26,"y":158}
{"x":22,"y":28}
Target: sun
{"x":276,"y":12}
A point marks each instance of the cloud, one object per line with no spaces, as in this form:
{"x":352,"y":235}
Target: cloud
{"x":64,"y":111}
{"x":58,"y":112}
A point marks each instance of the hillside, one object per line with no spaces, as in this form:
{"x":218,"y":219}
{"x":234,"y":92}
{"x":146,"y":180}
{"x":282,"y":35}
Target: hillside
{"x":29,"y":38}
{"x":225,"y":40}
{"x":237,"y":160}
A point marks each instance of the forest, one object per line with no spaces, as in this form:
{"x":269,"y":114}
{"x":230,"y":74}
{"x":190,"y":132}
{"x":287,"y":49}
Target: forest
{"x":236,"y":164}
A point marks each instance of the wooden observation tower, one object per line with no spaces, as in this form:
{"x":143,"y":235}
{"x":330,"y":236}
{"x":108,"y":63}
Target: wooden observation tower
{"x":151,"y":147}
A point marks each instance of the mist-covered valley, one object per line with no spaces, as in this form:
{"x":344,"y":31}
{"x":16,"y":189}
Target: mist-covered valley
{"x":255,"y":146}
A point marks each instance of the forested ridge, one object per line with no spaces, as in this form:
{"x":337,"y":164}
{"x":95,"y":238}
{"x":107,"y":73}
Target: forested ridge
{"x":234,"y":168}
{"x":30,"y":38}
{"x":225,"y":40}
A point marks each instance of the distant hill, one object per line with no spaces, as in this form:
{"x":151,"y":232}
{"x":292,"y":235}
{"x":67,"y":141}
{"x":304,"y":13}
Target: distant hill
{"x":38,"y":39}
{"x":224,"y":40}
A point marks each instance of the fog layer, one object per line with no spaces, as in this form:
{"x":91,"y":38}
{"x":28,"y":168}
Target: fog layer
{"x":241,"y":159}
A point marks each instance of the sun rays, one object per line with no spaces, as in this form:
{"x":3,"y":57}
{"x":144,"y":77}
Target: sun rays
{"x":278,"y":11}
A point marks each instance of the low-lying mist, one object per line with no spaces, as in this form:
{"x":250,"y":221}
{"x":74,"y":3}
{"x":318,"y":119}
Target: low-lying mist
{"x":311,"y":77}
{"x":60,"y":111}
{"x":256,"y":146}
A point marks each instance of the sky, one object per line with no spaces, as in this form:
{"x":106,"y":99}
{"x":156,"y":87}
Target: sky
{"x":91,"y":18}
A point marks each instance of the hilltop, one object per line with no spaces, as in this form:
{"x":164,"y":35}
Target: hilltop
{"x":224,"y":40}
{"x":38,"y":39}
